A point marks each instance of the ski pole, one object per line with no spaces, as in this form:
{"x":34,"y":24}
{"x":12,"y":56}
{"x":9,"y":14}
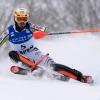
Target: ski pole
{"x":73,"y":32}
{"x":40,"y":34}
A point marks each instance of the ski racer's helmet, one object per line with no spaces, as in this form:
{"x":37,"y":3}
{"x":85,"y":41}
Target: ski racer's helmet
{"x":21,"y":15}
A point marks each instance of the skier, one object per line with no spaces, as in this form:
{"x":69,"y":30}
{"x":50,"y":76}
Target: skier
{"x":21,"y":37}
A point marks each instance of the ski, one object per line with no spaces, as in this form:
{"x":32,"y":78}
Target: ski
{"x":31,"y":65}
{"x":18,"y":70}
{"x":22,"y":71}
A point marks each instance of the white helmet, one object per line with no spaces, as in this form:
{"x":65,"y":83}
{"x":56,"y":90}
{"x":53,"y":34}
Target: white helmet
{"x":21,"y":15}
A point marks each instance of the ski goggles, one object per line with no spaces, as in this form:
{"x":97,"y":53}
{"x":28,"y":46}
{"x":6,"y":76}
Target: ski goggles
{"x":21,"y":19}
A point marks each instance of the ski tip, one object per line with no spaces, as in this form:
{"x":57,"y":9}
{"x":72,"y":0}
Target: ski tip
{"x":14,"y":69}
{"x":88,"y":80}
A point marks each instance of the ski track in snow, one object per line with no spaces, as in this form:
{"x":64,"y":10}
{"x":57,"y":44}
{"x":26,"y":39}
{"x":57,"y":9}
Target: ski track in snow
{"x":81,"y":52}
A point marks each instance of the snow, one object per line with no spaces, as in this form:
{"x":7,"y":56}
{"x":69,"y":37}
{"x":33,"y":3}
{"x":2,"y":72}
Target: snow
{"x":81,"y":52}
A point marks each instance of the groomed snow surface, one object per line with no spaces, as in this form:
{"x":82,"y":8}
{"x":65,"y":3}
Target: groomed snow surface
{"x":81,"y":52}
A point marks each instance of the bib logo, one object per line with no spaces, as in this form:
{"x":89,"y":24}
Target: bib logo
{"x":12,"y":34}
{"x":23,"y":47}
{"x":26,"y":50}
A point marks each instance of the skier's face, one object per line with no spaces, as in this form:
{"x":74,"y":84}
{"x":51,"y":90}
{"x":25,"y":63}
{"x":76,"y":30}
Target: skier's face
{"x":21,"y":21}
{"x":22,"y":24}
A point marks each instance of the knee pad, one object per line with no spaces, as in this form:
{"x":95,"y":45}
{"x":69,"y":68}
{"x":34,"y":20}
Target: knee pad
{"x":14,"y":56}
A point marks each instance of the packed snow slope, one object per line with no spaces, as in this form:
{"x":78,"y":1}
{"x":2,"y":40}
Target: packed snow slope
{"x":81,"y":52}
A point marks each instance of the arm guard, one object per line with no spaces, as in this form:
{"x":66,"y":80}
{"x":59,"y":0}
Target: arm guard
{"x":4,"y":37}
